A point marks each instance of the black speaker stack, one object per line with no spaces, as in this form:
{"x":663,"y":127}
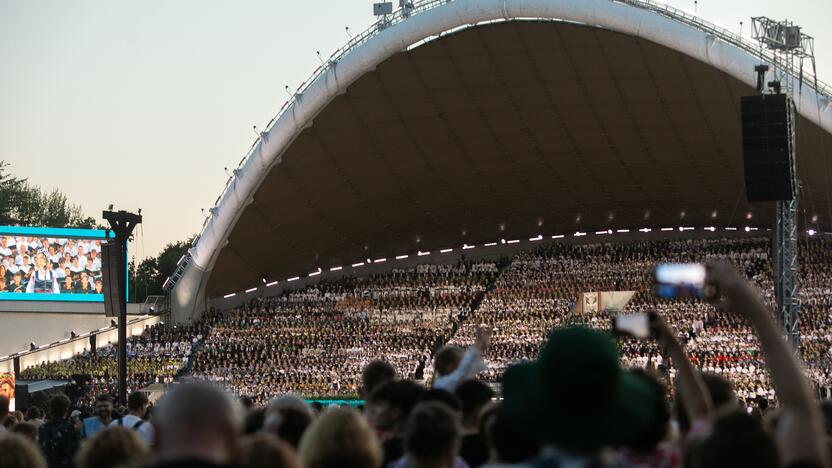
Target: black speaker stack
{"x":112,"y":277}
{"x":767,"y":129}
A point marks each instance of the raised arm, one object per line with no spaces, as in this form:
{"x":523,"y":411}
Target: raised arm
{"x":472,"y":363}
{"x":800,"y":431}
{"x":692,"y":389}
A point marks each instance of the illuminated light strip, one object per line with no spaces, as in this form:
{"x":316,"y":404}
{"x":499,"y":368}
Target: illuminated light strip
{"x":294,"y":278}
{"x":491,"y":244}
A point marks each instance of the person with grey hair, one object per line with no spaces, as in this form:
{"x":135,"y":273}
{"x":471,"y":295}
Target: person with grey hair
{"x":196,"y":426}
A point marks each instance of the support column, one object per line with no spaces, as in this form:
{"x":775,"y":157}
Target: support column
{"x":785,"y":251}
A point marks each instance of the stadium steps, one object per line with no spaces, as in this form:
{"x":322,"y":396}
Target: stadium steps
{"x":475,"y":304}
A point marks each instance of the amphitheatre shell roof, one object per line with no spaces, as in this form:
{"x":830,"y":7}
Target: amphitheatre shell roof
{"x":507,"y":129}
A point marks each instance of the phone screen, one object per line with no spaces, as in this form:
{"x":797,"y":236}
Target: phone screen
{"x":680,"y":280}
{"x":637,"y":325}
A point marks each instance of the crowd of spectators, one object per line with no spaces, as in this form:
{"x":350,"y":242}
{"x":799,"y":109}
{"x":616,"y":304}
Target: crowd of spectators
{"x":315,"y":341}
{"x":575,"y":405}
{"x":157,"y":356}
{"x":540,"y":290}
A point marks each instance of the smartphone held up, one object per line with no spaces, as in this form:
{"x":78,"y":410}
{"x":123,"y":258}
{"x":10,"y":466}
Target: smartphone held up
{"x":634,"y":325}
{"x":679,"y":280}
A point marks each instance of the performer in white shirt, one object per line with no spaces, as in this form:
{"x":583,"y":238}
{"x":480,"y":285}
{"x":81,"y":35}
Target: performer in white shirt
{"x":42,"y":280}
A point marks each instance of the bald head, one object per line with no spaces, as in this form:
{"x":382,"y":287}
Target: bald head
{"x":196,"y":421}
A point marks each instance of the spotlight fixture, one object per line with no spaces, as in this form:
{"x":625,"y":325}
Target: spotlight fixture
{"x":72,"y":334}
{"x":113,"y":323}
{"x":812,"y":232}
{"x":263,"y":279}
{"x":32,"y":346}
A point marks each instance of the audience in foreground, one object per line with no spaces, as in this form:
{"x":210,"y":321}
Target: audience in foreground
{"x":573,"y":406}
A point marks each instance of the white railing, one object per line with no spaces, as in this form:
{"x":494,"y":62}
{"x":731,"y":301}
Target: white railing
{"x":69,"y":347}
{"x":748,"y":45}
{"x":417,"y":7}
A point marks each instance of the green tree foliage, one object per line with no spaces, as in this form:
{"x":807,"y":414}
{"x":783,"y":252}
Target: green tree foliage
{"x":10,"y":192}
{"x":147,"y":278}
{"x":24,"y":204}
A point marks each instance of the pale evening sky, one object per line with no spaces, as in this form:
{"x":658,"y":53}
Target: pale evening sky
{"x":142,"y":104}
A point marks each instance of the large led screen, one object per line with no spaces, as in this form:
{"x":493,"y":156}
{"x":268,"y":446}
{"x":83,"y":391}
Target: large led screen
{"x":51,"y":264}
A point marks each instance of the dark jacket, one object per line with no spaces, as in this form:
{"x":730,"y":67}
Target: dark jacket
{"x":59,"y":441}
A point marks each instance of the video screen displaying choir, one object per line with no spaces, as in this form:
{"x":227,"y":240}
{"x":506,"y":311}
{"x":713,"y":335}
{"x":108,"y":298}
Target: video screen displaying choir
{"x":45,"y":265}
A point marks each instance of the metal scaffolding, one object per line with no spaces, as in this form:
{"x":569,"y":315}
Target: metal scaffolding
{"x":788,"y":44}
{"x":785,"y":269}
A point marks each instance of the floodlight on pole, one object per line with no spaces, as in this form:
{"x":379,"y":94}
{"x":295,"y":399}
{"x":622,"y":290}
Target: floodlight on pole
{"x":382,"y":9}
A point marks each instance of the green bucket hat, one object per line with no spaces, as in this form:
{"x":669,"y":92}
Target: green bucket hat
{"x":576,"y":396}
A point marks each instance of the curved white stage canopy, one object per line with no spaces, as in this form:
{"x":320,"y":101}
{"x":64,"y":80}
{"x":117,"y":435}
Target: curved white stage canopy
{"x":427,"y":21}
